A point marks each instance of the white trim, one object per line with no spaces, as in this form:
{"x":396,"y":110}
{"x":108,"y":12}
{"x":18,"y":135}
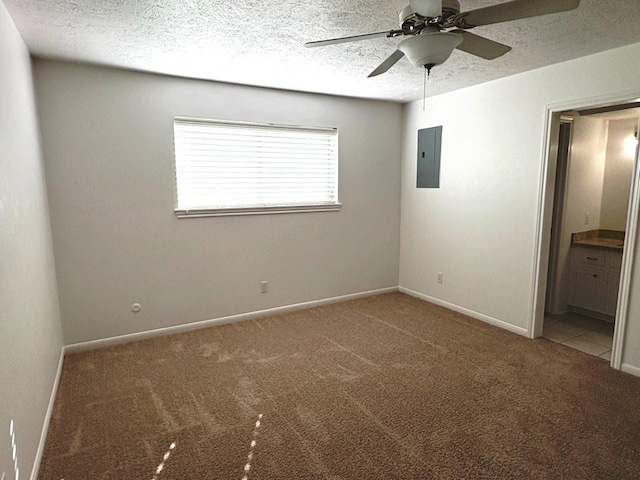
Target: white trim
{"x":465,"y":311}
{"x":184,"y":118}
{"x":626,"y":368}
{"x":582,"y":103}
{"x":224,"y":212}
{"x":536,"y":309}
{"x":81,"y":346}
{"x":47,"y":418}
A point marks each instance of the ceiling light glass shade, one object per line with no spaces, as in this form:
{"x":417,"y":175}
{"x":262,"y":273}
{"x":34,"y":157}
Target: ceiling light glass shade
{"x":430,"y":48}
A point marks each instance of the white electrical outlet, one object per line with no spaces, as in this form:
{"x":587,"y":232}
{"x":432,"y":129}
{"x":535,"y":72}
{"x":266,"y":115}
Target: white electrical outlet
{"x":587,"y":218}
{"x":264,"y":286}
{"x":439,"y":277}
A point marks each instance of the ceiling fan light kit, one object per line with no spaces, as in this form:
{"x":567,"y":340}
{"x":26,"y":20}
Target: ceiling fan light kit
{"x":425,"y":23}
{"x":430,"y":49}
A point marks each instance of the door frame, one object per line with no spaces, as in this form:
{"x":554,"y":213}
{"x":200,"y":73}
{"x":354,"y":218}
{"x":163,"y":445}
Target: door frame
{"x":544,"y":218}
{"x":557,"y":213}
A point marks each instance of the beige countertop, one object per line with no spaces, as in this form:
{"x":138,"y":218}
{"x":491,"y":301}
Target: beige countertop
{"x":607,"y":239}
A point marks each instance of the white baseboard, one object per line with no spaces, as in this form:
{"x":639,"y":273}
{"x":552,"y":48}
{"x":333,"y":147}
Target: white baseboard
{"x":625,"y":367}
{"x":465,"y":311}
{"x":47,"y":418}
{"x":104,"y":342}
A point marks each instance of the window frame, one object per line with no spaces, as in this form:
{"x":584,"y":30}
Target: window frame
{"x":255,"y":209}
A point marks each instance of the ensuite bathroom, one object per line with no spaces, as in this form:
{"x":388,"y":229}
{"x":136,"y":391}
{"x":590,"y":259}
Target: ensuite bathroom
{"x":597,"y":151}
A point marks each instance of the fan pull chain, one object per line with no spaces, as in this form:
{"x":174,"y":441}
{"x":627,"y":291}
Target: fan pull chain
{"x":424,"y":89}
{"x":427,"y":76}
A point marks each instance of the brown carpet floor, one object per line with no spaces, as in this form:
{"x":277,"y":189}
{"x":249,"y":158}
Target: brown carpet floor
{"x":387,"y":387}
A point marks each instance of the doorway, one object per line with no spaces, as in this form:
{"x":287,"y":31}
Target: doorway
{"x":589,"y":178}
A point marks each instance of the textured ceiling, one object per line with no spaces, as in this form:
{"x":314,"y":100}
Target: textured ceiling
{"x":260,"y":42}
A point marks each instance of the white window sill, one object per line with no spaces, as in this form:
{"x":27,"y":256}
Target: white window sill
{"x":224,"y":212}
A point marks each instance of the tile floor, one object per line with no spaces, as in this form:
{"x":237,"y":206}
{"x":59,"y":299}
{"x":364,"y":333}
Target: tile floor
{"x":589,"y":335}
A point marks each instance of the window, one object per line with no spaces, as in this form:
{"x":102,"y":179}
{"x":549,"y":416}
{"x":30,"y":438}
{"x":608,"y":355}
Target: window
{"x":226,"y":168}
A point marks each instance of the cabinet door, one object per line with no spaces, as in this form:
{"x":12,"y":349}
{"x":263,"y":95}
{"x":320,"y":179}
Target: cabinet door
{"x":589,"y":288}
{"x":613,"y":284}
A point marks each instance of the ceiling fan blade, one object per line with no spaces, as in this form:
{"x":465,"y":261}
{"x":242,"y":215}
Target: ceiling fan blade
{"x":387,"y":64}
{"x":480,"y":46}
{"x":353,"y":38}
{"x":427,"y":8}
{"x":514,"y":10}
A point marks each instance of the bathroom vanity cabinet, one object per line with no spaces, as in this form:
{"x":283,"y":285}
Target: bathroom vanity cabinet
{"x":594,"y":278}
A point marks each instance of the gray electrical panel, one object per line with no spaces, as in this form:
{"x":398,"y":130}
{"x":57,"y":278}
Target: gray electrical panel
{"x":429,"y":145}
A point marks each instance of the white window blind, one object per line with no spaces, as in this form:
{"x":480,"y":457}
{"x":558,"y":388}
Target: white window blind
{"x":232,"y":167}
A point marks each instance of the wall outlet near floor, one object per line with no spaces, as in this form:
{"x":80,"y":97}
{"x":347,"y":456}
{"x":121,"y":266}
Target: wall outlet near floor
{"x":587,"y":218}
{"x":439,"y":278}
{"x":264,"y":286}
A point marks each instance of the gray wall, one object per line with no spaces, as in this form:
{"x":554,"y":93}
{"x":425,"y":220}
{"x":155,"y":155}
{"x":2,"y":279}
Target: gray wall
{"x":479,"y":228}
{"x":618,"y":174}
{"x":585,"y":171}
{"x":30,"y":333}
{"x":107,"y":137}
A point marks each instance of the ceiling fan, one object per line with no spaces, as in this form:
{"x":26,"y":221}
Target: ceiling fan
{"x":436,"y":27}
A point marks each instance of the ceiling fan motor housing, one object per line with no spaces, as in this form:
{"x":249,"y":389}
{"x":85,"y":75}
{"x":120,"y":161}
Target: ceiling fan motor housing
{"x":412,"y":22}
{"x":451,"y":5}
{"x":407,"y":16}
